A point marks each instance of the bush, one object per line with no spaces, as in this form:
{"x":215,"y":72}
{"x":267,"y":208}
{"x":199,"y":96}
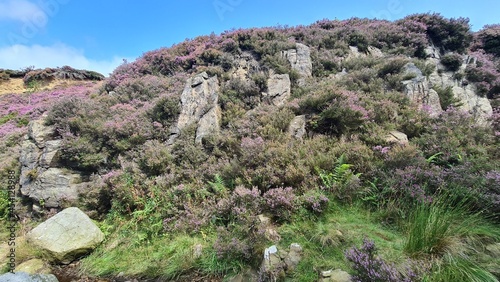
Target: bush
{"x":452,"y":61}
{"x":370,"y":268}
{"x":154,"y":157}
{"x":447,"y":98}
{"x":281,"y":203}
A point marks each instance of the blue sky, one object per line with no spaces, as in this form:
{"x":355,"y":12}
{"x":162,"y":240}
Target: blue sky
{"x":98,"y":35}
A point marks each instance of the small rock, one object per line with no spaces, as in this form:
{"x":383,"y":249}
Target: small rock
{"x":294,"y":256}
{"x":335,"y":276}
{"x":297,"y":127}
{"x":264,"y":219}
{"x":33,"y":266}
{"x":197,"y":251}
{"x":396,"y":137}
{"x":25,"y":277}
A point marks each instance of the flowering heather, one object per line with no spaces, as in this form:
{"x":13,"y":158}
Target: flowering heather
{"x":370,"y":268}
{"x":281,"y":202}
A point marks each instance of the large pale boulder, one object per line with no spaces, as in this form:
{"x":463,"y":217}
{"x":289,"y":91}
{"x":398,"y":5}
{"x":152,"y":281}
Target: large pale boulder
{"x":33,"y":266}
{"x":66,"y":236}
{"x":278,"y":89}
{"x":199,"y":106}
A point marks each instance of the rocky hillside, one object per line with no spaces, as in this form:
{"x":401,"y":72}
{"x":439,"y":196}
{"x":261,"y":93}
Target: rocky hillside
{"x":273,"y":153}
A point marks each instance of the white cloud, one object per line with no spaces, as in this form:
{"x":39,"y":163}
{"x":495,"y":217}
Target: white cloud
{"x":58,"y":55}
{"x":22,"y":10}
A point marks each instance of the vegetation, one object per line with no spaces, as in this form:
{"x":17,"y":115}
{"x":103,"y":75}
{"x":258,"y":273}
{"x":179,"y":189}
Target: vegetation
{"x":351,"y":197}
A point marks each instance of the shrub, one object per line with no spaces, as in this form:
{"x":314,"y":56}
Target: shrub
{"x":315,"y":201}
{"x":370,"y":268}
{"x":154,"y":157}
{"x":281,"y":203}
{"x":489,"y":37}
{"x":452,"y":61}
{"x":449,"y":34}
{"x":447,"y":98}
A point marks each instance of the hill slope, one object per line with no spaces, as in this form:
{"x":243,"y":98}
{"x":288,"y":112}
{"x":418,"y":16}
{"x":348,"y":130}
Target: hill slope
{"x":197,"y":157}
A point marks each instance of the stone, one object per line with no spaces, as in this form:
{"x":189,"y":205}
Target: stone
{"x":340,"y":276}
{"x":248,"y":275}
{"x":38,"y":132}
{"x":49,"y":156}
{"x":66,"y":236}
{"x":294,"y":256}
{"x":264,"y":219}
{"x":50,"y":187}
{"x":278,"y":89}
{"x":418,"y":90}
{"x":297,"y":127}
{"x":199,"y":105}
{"x":375,"y":52}
{"x":41,"y":180}
{"x":25,"y":277}
{"x":397,"y":137}
{"x":479,"y":107}
{"x":300,"y":60}
{"x":33,"y":266}
{"x":197,"y":250}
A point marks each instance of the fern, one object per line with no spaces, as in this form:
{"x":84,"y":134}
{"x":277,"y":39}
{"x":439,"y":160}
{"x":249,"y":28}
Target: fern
{"x":218,"y":186}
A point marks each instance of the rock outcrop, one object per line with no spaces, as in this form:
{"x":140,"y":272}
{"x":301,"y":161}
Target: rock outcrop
{"x":277,"y":261}
{"x":278,"y":89}
{"x":465,"y":93}
{"x":199,"y":106}
{"x":419,"y":91}
{"x":397,"y":137}
{"x":66,"y":236}
{"x":41,"y":180}
{"x":300,"y":60}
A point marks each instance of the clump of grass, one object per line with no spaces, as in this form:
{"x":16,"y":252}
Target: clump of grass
{"x":456,"y":268}
{"x":435,"y":228}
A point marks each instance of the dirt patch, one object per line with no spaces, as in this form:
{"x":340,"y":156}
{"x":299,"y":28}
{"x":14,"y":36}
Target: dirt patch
{"x":16,"y":85}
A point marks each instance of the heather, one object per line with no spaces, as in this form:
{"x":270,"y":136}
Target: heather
{"x":353,"y":198}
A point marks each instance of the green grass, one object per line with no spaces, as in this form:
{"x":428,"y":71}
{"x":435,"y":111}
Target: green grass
{"x":324,"y":247}
{"x":439,"y":227}
{"x":453,"y":268}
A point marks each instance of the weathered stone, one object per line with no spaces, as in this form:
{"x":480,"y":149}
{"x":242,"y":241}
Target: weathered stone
{"x":297,"y":127}
{"x":30,"y":154}
{"x":33,"y":266}
{"x":197,"y":250}
{"x":418,"y":90}
{"x":340,"y":276}
{"x":249,"y":275}
{"x":199,"y":105}
{"x":467,"y":97}
{"x":49,"y":155}
{"x":25,"y":277}
{"x":264,"y":219}
{"x":39,"y":132}
{"x":300,"y":60}
{"x":50,"y":186}
{"x":66,"y":236}
{"x":375,"y":52}
{"x":396,"y":137}
{"x":278,"y":89}
{"x":271,"y":259}
{"x":294,"y":256}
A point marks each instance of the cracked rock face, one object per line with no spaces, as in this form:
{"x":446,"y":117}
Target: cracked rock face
{"x":199,"y":105}
{"x":278,"y":89}
{"x":66,"y":236}
{"x":41,"y":179}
